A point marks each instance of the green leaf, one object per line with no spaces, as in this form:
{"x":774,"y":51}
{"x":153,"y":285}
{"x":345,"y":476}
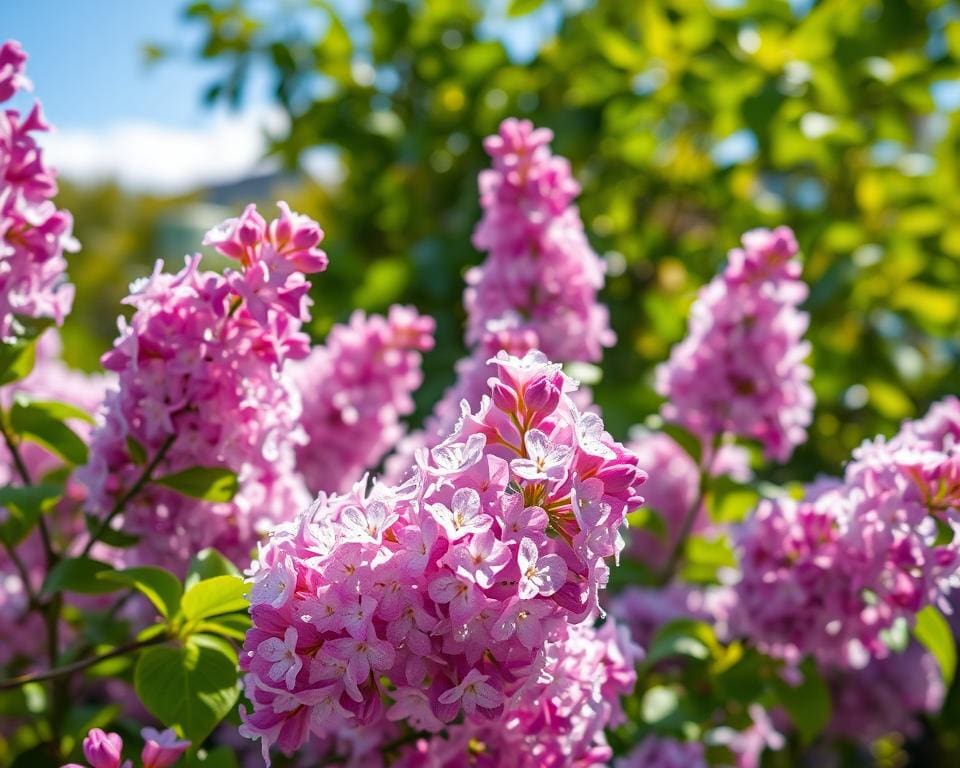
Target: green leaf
{"x":24,"y":505}
{"x":682,"y":637}
{"x":109,"y":536}
{"x":206,"y":564}
{"x":933,"y":632}
{"x":523,"y":7}
{"x":730,"y":501}
{"x":232,"y":626}
{"x":207,"y":483}
{"x":690,"y":443}
{"x":56,"y":409}
{"x":807,"y":704}
{"x":213,"y":597}
{"x":190,"y":688}
{"x":79,"y":574}
{"x":705,"y":557}
{"x":161,"y":587}
{"x":17,"y":358}
{"x":649,"y":520}
{"x":137,"y":452}
{"x":40,"y":423}
{"x":659,"y":703}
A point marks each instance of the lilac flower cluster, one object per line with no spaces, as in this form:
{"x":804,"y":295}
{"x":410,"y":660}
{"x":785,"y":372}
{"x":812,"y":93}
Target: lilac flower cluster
{"x":355,"y":389}
{"x":442,"y":597}
{"x":537,"y":288}
{"x":829,"y":574}
{"x":199,"y":384}
{"x":740,"y":370}
{"x":33,"y":233}
{"x":539,"y":264}
{"x":887,"y":696}
{"x":161,"y":749}
{"x":557,"y":722}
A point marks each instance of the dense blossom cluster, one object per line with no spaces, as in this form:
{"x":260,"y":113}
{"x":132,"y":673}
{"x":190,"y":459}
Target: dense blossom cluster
{"x":887,"y":696}
{"x":539,"y":264}
{"x":33,"y":233}
{"x":50,"y":380}
{"x":161,"y":749}
{"x":829,"y":574}
{"x":355,"y":389}
{"x":558,"y":721}
{"x":199,"y":384}
{"x":740,"y":369}
{"x":442,"y":597}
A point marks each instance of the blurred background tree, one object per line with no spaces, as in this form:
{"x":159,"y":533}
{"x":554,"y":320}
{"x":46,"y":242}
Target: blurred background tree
{"x":686,"y":121}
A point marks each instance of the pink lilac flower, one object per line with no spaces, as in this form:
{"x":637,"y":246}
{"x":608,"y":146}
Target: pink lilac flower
{"x":161,"y":749}
{"x":749,"y":744}
{"x":539,"y":263}
{"x":418,"y":600}
{"x":887,"y":696}
{"x":556,"y":720}
{"x":199,"y":384}
{"x":34,"y":234}
{"x":355,"y":389}
{"x":102,"y":750}
{"x":741,"y":369}
{"x":664,"y":752}
{"x":830,"y":574}
{"x":50,"y":380}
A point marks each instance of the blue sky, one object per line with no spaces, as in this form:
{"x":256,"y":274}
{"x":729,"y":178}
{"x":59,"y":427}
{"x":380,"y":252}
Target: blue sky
{"x":87,"y":64}
{"x":117,"y":117}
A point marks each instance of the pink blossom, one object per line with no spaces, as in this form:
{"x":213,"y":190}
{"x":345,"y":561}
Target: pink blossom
{"x":545,"y":461}
{"x":356,"y":388}
{"x":539,"y":264}
{"x":282,"y":654}
{"x":34,"y":234}
{"x":472,"y":692}
{"x":539,"y":575}
{"x":161,"y":749}
{"x":444,"y":599}
{"x":200,"y":345}
{"x":102,"y":750}
{"x":741,"y":369}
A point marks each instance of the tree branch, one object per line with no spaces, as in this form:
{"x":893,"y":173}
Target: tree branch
{"x":125,"y":499}
{"x":79,"y":666}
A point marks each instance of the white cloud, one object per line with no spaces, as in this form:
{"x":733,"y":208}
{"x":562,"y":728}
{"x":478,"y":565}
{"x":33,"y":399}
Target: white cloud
{"x":146,"y":156}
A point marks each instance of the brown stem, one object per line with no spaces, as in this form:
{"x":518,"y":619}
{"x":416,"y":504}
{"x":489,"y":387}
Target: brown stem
{"x":79,"y":666}
{"x":673,"y":562}
{"x":45,"y":538}
{"x":125,"y":499}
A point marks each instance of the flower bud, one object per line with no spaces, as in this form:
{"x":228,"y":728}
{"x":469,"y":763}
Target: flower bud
{"x":541,"y":394}
{"x":504,"y":396}
{"x":102,"y":750}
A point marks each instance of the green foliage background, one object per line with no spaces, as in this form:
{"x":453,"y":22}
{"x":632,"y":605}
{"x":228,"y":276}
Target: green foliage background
{"x":832,"y":104}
